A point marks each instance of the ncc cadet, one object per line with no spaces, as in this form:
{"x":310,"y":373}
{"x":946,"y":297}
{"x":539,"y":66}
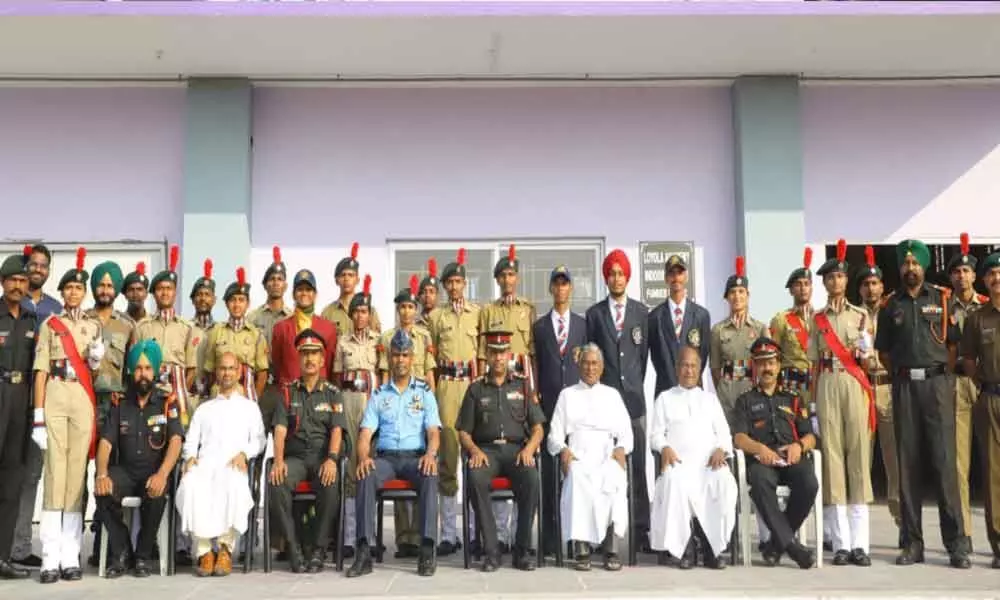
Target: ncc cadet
{"x":500,"y":428}
{"x":266,"y":315}
{"x":404,"y":414}
{"x":965,"y":301}
{"x":17,"y":351}
{"x":772,"y":425}
{"x":355,"y":368}
{"x":308,"y":436}
{"x":407,"y":536}
{"x":346,"y":275}
{"x":731,"y":342}
{"x":872,"y":292}
{"x":240,"y":338}
{"x":840,"y":346}
{"x":454,"y":332}
{"x":69,"y":349}
{"x":981,"y":355}
{"x":790,"y":328}
{"x":203,"y":299}
{"x":140,"y":444}
{"x":428,"y":293}
{"x":136,"y":290}
{"x":173,"y":334}
{"x":916,"y":341}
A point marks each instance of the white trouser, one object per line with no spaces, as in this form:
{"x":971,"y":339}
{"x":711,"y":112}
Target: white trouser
{"x":204,"y":545}
{"x":849,"y":526}
{"x":61,"y":534}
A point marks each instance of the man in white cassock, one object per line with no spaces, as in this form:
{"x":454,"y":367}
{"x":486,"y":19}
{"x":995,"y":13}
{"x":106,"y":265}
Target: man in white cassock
{"x":591,"y":433}
{"x":695,"y":493}
{"x":213,"y":498}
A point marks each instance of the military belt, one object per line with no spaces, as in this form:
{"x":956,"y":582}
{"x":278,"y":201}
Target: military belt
{"x":793,"y":375}
{"x":456,"y":369}
{"x":736,"y":369}
{"x":990,"y":388}
{"x":503,"y":442}
{"x":61,"y":370}
{"x":879,"y":378}
{"x":13,"y":377}
{"x":355,"y":381}
{"x":921,"y":373}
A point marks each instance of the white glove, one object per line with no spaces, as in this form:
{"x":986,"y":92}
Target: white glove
{"x":95,"y":353}
{"x":38,"y":433}
{"x":865,"y":344}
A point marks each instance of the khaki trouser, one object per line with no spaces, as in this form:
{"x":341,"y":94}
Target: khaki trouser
{"x":843,"y":426}
{"x":887,"y":441}
{"x":965,"y":399}
{"x":69,"y":422}
{"x":450,"y":394}
{"x":987,"y":413}
{"x":354,"y":409}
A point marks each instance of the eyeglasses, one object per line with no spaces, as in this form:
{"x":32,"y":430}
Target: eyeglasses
{"x":38,"y":266}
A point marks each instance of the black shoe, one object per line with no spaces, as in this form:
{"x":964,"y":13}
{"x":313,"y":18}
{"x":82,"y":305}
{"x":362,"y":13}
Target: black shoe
{"x":426,"y":561}
{"x":687,"y":559}
{"x":10,"y":571}
{"x":407,"y":551}
{"x":663,"y":558}
{"x":31,"y":561}
{"x":522,"y":561}
{"x":362,"y":562}
{"x":910,"y":555}
{"x":316,"y":562}
{"x":114,"y":571}
{"x":996,"y":562}
{"x":296,"y":562}
{"x":281,"y":556}
{"x":504,"y":548}
{"x":860,"y":558}
{"x":770,"y":554}
{"x":72,"y":574}
{"x":51,"y":576}
{"x":348,"y":552}
{"x":141,"y":569}
{"x":182,"y":558}
{"x":447,"y":548}
{"x":841,"y":558}
{"x":714,"y":562}
{"x":491,"y":562}
{"x":804,"y":557}
{"x":959,"y":560}
{"x":685,"y":563}
{"x":827,"y":546}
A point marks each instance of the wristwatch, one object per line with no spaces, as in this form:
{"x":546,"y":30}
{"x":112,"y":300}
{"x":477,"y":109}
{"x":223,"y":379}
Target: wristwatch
{"x":333,"y":456}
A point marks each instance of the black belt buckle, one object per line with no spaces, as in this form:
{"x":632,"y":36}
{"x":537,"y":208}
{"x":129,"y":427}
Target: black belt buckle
{"x":13,"y":377}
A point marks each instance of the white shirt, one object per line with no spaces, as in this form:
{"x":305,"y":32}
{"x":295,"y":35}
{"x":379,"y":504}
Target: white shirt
{"x":585,"y":414}
{"x":690,"y":421}
{"x":224,"y":427}
{"x":555,"y":322}
{"x":673,"y":307}
{"x":613,"y":304}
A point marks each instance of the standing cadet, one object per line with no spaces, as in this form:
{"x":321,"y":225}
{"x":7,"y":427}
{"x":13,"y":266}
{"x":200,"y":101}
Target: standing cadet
{"x":266,"y":315}
{"x":240,"y":338}
{"x":965,"y":301}
{"x":136,"y":290}
{"x":501,"y":430}
{"x":873,"y":297}
{"x":676,"y":323}
{"x":69,"y":349}
{"x":346,"y":275}
{"x":454,"y":335}
{"x":404,"y":413}
{"x":917,"y":341}
{"x":174,"y":336}
{"x":355,"y":368}
{"x":17,"y":351}
{"x":203,"y":298}
{"x":981,"y":355}
{"x":731,"y":342}
{"x":407,"y":536}
{"x":308,"y":436}
{"x":790,"y":328}
{"x":428,"y":293}
{"x":840,"y":345}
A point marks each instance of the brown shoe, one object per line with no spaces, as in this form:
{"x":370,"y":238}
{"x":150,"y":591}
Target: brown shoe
{"x":206,"y":564}
{"x":223,"y":562}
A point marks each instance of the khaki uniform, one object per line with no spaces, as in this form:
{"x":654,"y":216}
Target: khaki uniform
{"x":69,"y":415}
{"x":729,"y":354}
{"x":355,"y":366}
{"x":249,"y":346}
{"x":109,"y":377}
{"x":966,"y":394}
{"x":339,"y":314}
{"x":842,"y":406}
{"x":263,"y":318}
{"x":886,"y":431}
{"x":795,"y":365}
{"x":199,"y":341}
{"x":175,"y":337}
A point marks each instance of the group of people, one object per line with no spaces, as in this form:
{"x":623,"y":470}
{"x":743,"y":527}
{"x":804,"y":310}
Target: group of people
{"x":501,"y":389}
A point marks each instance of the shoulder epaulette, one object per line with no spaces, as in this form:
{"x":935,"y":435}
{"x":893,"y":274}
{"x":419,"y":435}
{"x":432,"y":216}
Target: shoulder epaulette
{"x":421,"y":383}
{"x":941,"y":289}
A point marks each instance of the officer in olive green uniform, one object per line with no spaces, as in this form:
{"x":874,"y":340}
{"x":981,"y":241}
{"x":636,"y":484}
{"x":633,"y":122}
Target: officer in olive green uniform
{"x":69,"y":349}
{"x":501,"y":430}
{"x":203,"y":298}
{"x":266,"y":315}
{"x":346,"y":274}
{"x":965,"y":301}
{"x":455,"y":336}
{"x":355,"y":366}
{"x":981,"y":357}
{"x":729,"y":351}
{"x":840,"y":345}
{"x":428,"y":293}
{"x":407,"y":536}
{"x":173,"y":334}
{"x":136,"y":290}
{"x":241,"y":338}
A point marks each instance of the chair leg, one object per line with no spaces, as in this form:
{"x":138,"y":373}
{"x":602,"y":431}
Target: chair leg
{"x":560,"y":545}
{"x":379,"y":506}
{"x":102,"y":555}
{"x":466,"y":554}
{"x":631,"y":510}
{"x":342,"y":517}
{"x":162,"y":539}
{"x":540,"y":536}
{"x":268,"y":565}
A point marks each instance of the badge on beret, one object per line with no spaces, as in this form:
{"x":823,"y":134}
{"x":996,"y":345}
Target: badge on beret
{"x":694,"y":338}
{"x":637,"y":335}
{"x":172,"y":413}
{"x":302,"y":274}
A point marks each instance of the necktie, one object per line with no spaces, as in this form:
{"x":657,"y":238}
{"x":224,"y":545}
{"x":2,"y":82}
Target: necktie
{"x":562,"y":337}
{"x":678,"y":322}
{"x":619,"y":318}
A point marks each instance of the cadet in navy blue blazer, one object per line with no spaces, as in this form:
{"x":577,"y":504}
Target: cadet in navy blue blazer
{"x":661,"y":331}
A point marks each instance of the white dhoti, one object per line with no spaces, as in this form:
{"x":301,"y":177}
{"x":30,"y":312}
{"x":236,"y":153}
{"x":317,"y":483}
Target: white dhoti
{"x":213,"y":500}
{"x":594,"y":493}
{"x":684,"y":492}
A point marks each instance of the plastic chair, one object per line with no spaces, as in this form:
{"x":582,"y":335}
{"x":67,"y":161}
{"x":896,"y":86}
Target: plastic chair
{"x":164,"y":535}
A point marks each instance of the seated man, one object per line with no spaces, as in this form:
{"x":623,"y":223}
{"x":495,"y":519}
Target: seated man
{"x":592,"y":417}
{"x":690,"y":432}
{"x":214,"y":497}
{"x":405,"y":413}
{"x":772,"y":427}
{"x":501,"y":429}
{"x":140,"y":444}
{"x":308,"y":432}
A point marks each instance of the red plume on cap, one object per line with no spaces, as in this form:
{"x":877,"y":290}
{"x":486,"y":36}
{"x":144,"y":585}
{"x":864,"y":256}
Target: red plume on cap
{"x":807,"y":258}
{"x":367,"y":289}
{"x":511,"y":253}
{"x":841,"y":250}
{"x":28,"y":250}
{"x":175,"y":254}
{"x":140,"y":268}
{"x":208,"y":268}
{"x":432,"y":267}
{"x":354,"y":251}
{"x":461,"y":256}
{"x":81,"y":253}
{"x":964,"y":238}
{"x":741,"y":266}
{"x":241,"y":276}
{"x":870,"y":256}
{"x":414,"y":285}
{"x":276,"y":254}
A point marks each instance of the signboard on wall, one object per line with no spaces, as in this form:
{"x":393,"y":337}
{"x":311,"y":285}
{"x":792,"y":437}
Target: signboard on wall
{"x":652,"y":259}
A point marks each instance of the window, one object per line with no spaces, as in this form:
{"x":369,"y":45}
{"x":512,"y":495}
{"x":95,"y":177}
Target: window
{"x":537,"y":258}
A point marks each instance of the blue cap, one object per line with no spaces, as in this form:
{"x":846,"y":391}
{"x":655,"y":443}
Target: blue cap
{"x":560,"y":271}
{"x":304,"y":276}
{"x":401,"y":342}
